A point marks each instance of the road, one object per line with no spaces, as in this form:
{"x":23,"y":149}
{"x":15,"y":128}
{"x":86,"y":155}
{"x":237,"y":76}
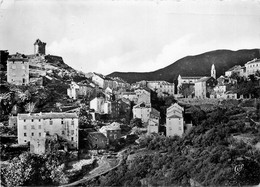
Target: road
{"x":96,"y":172}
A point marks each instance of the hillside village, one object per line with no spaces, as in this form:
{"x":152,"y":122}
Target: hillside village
{"x":100,"y":125}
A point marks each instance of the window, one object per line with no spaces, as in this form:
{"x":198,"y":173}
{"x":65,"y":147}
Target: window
{"x":25,"y":141}
{"x":62,"y":121}
{"x":24,"y":120}
{"x":40,"y":134}
{"x":40,"y":126}
{"x":72,"y":138}
{"x":32,"y":127}
{"x":72,"y":122}
{"x":24,"y":134}
{"x":39,"y":120}
{"x":72,"y":132}
{"x":51,"y":122}
{"x":47,"y":133}
{"x":32,"y":134}
{"x":62,"y":132}
{"x":24,"y":127}
{"x":32,"y":120}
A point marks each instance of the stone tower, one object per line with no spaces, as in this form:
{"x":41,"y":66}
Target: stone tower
{"x":39,"y":47}
{"x":213,"y":71}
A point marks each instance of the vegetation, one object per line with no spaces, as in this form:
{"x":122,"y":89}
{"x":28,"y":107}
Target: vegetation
{"x":34,"y":170}
{"x":208,"y":154}
{"x":191,"y":66}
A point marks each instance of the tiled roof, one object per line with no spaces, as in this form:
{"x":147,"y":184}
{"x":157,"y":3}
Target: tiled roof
{"x":112,"y":126}
{"x":203,"y":79}
{"x":97,"y":135}
{"x":235,"y":67}
{"x":253,"y":61}
{"x":50,"y":115}
{"x":191,"y":77}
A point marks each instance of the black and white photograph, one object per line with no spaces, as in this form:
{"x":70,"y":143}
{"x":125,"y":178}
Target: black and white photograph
{"x":130,"y":93}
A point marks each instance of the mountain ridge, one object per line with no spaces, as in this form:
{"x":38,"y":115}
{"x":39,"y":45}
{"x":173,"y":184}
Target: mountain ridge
{"x":190,"y":65}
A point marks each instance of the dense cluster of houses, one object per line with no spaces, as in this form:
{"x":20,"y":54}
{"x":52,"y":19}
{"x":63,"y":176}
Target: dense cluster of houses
{"x":118,"y":100}
{"x":212,"y":87}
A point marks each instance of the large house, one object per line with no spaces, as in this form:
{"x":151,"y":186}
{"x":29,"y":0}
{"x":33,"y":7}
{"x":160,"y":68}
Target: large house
{"x":97,"y":104}
{"x":252,"y":66}
{"x":144,"y":111}
{"x":34,"y":128}
{"x":153,"y":122}
{"x":162,"y":88}
{"x":100,"y":105}
{"x":18,"y":70}
{"x":204,"y":87}
{"x":174,"y":120}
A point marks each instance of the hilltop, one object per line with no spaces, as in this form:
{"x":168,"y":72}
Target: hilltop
{"x":198,"y":65}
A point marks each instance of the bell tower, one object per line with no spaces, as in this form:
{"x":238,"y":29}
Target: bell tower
{"x":213,"y":71}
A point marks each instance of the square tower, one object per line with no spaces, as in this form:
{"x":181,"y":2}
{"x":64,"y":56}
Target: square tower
{"x":39,"y":47}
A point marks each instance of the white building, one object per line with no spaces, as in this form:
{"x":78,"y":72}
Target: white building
{"x":98,"y":79}
{"x":101,"y":106}
{"x":174,"y":120}
{"x":153,"y":122}
{"x":97,"y":104}
{"x":144,"y":111}
{"x":252,"y":66}
{"x":162,"y":88}
{"x":204,"y":87}
{"x":34,"y":127}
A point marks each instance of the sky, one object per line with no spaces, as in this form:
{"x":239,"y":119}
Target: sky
{"x":128,"y":35}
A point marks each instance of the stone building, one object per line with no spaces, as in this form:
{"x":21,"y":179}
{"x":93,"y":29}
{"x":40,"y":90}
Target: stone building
{"x":18,"y":70}
{"x":174,"y":120}
{"x":39,"y":47}
{"x":34,"y":128}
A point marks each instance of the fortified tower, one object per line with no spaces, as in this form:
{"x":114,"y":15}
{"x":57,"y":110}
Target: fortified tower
{"x":39,"y":47}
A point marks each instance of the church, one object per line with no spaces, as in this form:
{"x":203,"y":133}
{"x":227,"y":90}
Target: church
{"x":186,"y":84}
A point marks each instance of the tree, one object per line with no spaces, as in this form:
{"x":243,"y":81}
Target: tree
{"x":36,"y":170}
{"x":85,"y":118}
{"x":136,"y":122}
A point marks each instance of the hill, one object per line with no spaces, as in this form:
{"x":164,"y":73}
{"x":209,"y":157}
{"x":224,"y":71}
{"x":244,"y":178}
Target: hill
{"x":198,"y":65}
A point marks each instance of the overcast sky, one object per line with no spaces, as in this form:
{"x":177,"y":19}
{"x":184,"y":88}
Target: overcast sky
{"x":128,"y":35}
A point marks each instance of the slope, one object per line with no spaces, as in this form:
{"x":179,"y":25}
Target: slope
{"x":198,"y":65}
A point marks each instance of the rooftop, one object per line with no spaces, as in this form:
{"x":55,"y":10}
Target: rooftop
{"x":203,"y":79}
{"x":234,"y":68}
{"x":50,"y":115}
{"x":253,"y":61}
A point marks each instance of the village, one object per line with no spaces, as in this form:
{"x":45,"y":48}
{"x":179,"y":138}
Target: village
{"x":100,"y":117}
